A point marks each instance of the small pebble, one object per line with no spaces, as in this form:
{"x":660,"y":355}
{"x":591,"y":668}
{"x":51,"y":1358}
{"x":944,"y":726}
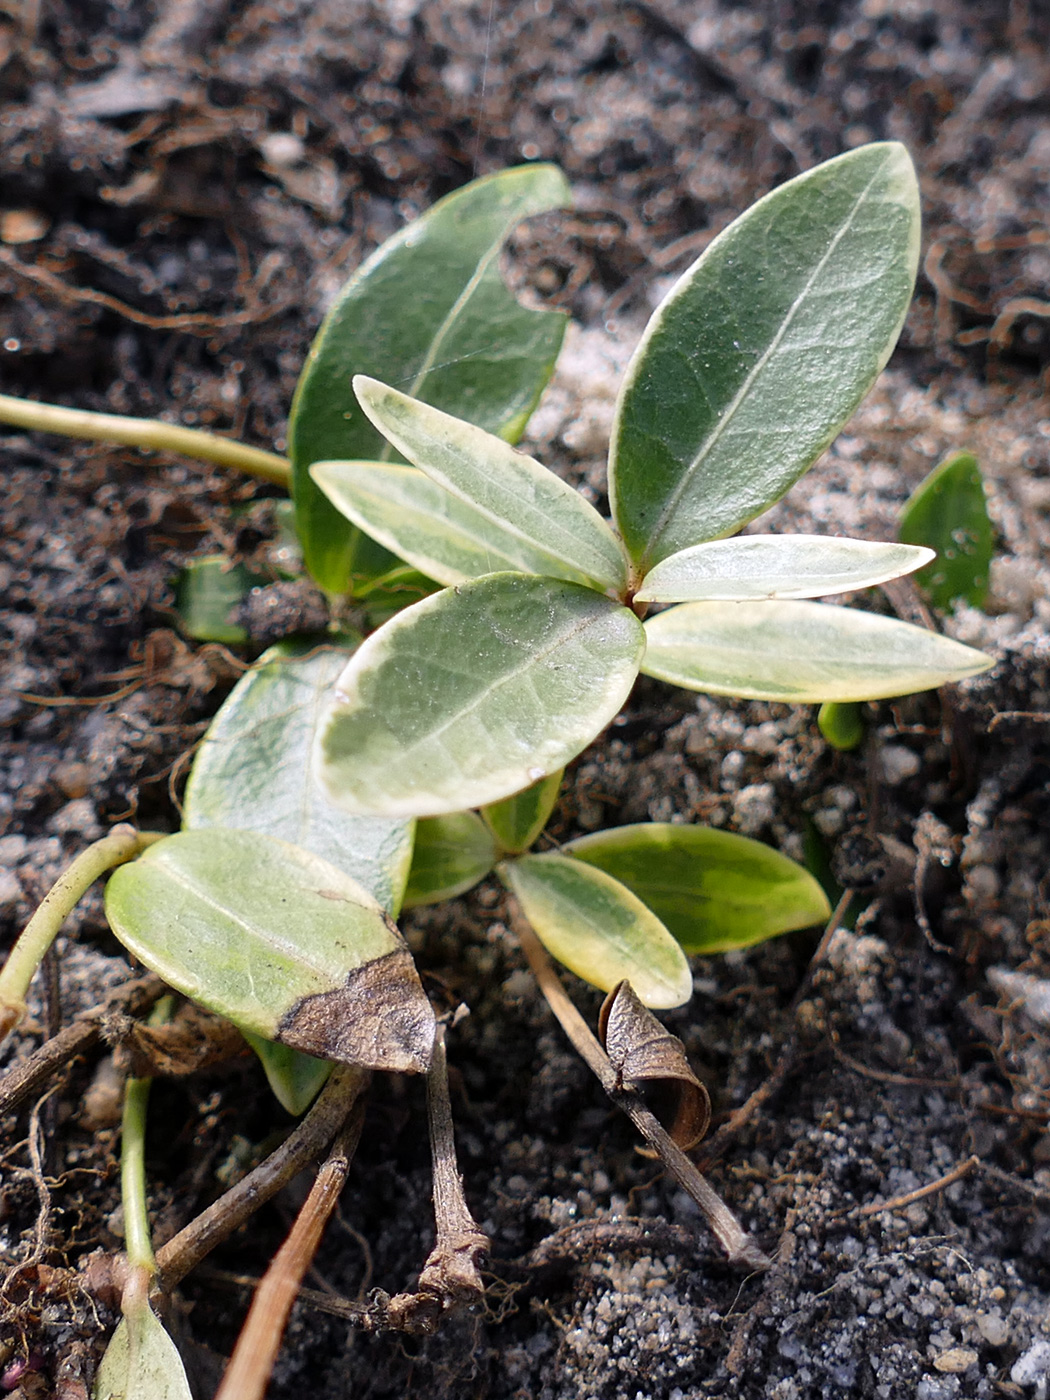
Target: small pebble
{"x":956,"y":1360}
{"x":898,"y":764}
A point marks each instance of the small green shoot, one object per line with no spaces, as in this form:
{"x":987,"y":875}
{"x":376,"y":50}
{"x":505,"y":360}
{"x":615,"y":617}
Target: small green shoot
{"x":841,"y":724}
{"x":747,"y":370}
{"x":208,"y":589}
{"x":141,"y":1361}
{"x":948,"y":513}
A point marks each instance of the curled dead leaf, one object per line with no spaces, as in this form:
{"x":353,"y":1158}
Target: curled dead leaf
{"x":644,"y":1053}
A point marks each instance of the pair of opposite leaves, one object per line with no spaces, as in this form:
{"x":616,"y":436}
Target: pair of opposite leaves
{"x":745,"y":373}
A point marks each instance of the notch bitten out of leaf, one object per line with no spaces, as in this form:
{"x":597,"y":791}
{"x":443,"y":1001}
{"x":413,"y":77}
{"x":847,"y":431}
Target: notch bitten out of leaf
{"x":280,"y":942}
{"x":644,"y":1053}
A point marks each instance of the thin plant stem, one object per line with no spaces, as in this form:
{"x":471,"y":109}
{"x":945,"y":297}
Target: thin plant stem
{"x":248,"y":1373}
{"x":151,"y":434}
{"x":138,"y":1245}
{"x":121,"y":845}
{"x":186,"y":1249}
{"x":738,"y":1245}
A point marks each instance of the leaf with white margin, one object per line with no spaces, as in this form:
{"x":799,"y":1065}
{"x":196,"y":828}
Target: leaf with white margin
{"x":800,"y":652}
{"x":777,"y":566}
{"x":141,"y":1362}
{"x":762,"y":350}
{"x":253,"y":772}
{"x":278,"y":941}
{"x":444,"y":537}
{"x":714,"y":890}
{"x":598,"y":928}
{"x":515,"y":492}
{"x":474,"y":693}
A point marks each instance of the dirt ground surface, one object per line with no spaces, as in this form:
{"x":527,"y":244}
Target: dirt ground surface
{"x":185,"y":186}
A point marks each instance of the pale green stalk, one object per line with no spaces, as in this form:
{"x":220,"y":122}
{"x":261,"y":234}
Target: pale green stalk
{"x":122,"y":844}
{"x":148,"y":433}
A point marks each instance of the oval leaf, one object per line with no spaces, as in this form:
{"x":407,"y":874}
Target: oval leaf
{"x":253,"y":772}
{"x":420,"y":521}
{"x":206,"y":593}
{"x":713,"y":889}
{"x":948,"y":512}
{"x":777,"y":566}
{"x":296,"y":1079}
{"x":800,"y":652}
{"x":644,"y":1053}
{"x":513,"y":492}
{"x":278,"y":941}
{"x":428,"y":311}
{"x":763,"y":349}
{"x":141,"y":1362}
{"x":474,"y":693}
{"x":451,"y":855}
{"x":517,"y":821}
{"x":600,"y":930}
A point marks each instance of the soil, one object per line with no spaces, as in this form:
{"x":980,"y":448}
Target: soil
{"x":185,"y":186}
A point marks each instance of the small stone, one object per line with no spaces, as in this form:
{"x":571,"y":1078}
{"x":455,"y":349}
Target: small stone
{"x":898,"y":764}
{"x":282,"y":149}
{"x":753,"y":808}
{"x":994,"y":1328}
{"x":1033,"y":1366}
{"x":22,"y":226}
{"x":955,"y":1361}
{"x":72,"y":779}
{"x":10,"y":889}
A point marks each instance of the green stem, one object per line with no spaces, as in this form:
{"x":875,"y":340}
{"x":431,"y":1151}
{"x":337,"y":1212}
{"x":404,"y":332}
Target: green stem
{"x":137,"y":1242}
{"x":148,"y":433}
{"x":122,"y":844}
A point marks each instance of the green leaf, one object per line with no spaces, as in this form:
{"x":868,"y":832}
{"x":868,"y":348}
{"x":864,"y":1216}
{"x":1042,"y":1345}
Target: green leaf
{"x":452,"y":853}
{"x":762,"y":350}
{"x":388,"y":594}
{"x":517,"y":821}
{"x":141,"y":1362}
{"x":419,"y":520}
{"x":600,"y":930}
{"x":713,"y":889}
{"x":511,"y":491}
{"x":948,"y":512}
{"x":841,"y":724}
{"x":254,"y":772}
{"x":800,"y":652}
{"x":474,"y":693}
{"x":206,"y":592}
{"x":428,"y":311}
{"x":296,"y":1079}
{"x":278,"y":941}
{"x":776,"y":566}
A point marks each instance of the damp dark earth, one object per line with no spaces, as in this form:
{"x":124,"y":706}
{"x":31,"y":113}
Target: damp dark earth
{"x":185,"y":188}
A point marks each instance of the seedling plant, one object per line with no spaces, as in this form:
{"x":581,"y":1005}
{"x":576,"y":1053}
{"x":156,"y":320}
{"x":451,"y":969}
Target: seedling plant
{"x":275,"y":904}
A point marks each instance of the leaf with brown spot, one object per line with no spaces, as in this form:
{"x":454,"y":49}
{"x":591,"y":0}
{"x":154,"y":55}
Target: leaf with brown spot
{"x":280,"y":942}
{"x":644,"y":1053}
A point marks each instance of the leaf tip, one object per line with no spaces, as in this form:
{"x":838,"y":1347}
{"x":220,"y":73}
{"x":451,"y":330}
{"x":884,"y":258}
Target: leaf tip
{"x":379,"y":1019}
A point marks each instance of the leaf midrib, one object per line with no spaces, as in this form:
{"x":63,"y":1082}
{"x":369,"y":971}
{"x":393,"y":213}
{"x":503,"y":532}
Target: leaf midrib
{"x":723,"y":423}
{"x":534,"y":658}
